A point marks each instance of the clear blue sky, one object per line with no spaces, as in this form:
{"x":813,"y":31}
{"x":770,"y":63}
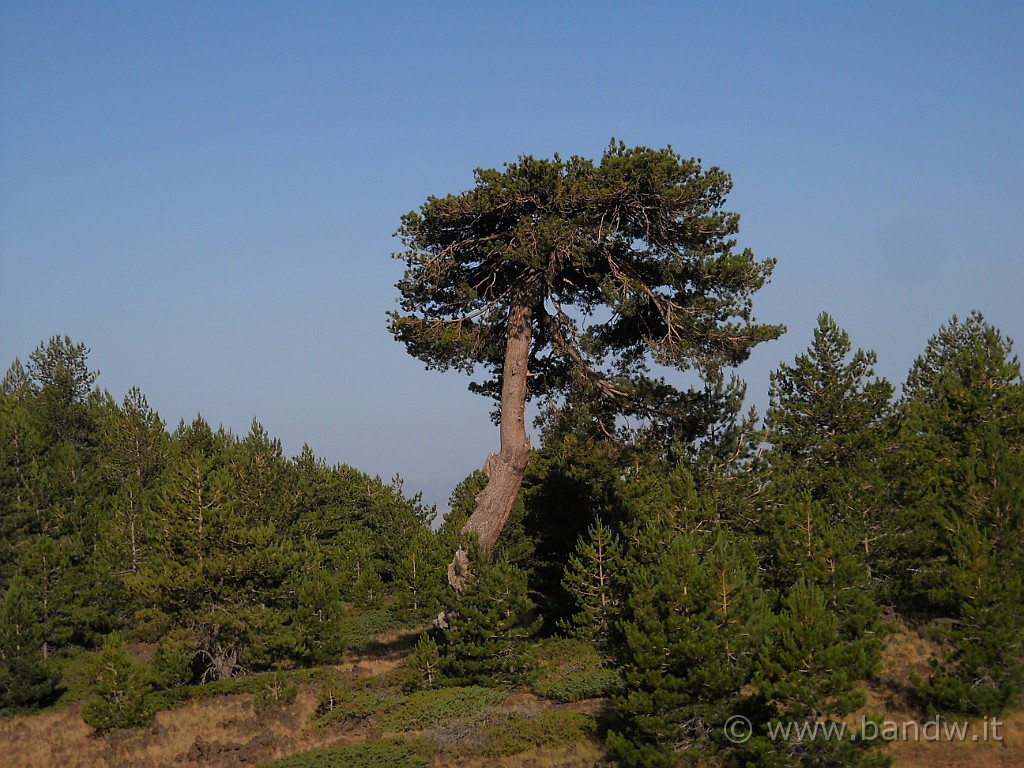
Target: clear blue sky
{"x":205,"y":192}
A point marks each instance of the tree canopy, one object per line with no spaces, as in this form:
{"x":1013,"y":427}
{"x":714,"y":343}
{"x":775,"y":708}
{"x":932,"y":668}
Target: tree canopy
{"x":561,"y":278}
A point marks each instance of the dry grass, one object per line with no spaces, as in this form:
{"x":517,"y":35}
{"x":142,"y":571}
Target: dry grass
{"x":907,"y":654}
{"x":216,"y":732}
{"x":1006,"y":753}
{"x":229,"y":731}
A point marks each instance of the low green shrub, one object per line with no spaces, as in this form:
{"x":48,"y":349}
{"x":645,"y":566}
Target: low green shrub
{"x":277,"y":690}
{"x":343,"y":699}
{"x":359,"y":631}
{"x":427,"y":708}
{"x":506,"y":734}
{"x":549,"y":728}
{"x":370,"y":754}
{"x":567,"y":669}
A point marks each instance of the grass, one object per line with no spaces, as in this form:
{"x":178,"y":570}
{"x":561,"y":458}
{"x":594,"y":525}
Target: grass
{"x":280,"y":719}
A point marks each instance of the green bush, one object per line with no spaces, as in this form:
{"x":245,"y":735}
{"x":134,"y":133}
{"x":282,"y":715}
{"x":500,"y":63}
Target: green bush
{"x":359,"y":631}
{"x":505,"y":734}
{"x":567,"y":669}
{"x":119,"y":693}
{"x":371,"y":754}
{"x":548,"y":728}
{"x":424,"y":709}
{"x":276,"y":691}
{"x":423,"y":666}
{"x":342,"y":699}
{"x":171,"y":665}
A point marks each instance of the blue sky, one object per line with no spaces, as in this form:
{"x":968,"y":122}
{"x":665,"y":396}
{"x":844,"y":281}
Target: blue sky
{"x":205,"y":192}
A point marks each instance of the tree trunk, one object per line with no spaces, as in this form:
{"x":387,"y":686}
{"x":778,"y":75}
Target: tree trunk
{"x":505,"y":469}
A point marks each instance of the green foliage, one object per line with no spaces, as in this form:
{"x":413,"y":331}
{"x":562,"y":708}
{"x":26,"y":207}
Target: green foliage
{"x":959,"y":478}
{"x":825,"y":424}
{"x":568,"y":669}
{"x":492,"y":619}
{"x":27,"y":678}
{"x":589,"y":580}
{"x":571,"y":479}
{"x":641,"y":232}
{"x":825,"y":516}
{"x":277,"y":690}
{"x":343,"y":699}
{"x":826,"y":407}
{"x":421,"y":574}
{"x":693,"y":624}
{"x":807,"y":673}
{"x":360,"y":630}
{"x":58,"y":375}
{"x":119,"y":691}
{"x":423,"y":709}
{"x":807,"y":670}
{"x":370,"y":754}
{"x":505,"y":735}
{"x":171,"y":665}
{"x":701,"y":569}
{"x":423,"y":665}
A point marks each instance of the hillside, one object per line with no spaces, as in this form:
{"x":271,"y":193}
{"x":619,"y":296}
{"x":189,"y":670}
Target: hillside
{"x":516,"y":728}
{"x":682,"y":592}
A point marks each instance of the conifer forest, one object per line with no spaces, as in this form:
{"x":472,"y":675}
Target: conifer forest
{"x":666,"y":575}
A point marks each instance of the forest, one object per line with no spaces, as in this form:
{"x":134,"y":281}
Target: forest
{"x":685,"y":561}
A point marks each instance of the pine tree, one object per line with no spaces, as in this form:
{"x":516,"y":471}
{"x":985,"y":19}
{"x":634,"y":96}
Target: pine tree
{"x":590,"y":579}
{"x":420,"y":583}
{"x":960,"y":489}
{"x":133,"y":452}
{"x":506,"y":277}
{"x":27,"y":678}
{"x":118,"y":690}
{"x":824,"y":501}
{"x":50,"y":489}
{"x":24,"y":510}
{"x":59,"y":377}
{"x":825,"y":425}
{"x":319,"y":606}
{"x":423,"y":665}
{"x":487,"y":629}
{"x":259,"y":474}
{"x":692,"y":626}
{"x":216,"y":569}
{"x":808,"y":672}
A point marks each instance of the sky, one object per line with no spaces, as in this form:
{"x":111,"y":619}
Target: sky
{"x":205,"y":193}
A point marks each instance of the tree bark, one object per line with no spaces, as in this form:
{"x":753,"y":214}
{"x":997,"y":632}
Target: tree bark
{"x":505,"y":469}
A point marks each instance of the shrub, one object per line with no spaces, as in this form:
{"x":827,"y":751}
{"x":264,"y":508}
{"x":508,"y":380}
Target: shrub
{"x":506,"y":734}
{"x":423,"y":665}
{"x":358,"y":699}
{"x":119,"y":693}
{"x":567,"y":669}
{"x":370,"y":754}
{"x":424,"y":709}
{"x":276,"y":690}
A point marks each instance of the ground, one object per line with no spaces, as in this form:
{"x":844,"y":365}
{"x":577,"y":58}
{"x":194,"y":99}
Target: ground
{"x":238,"y":729}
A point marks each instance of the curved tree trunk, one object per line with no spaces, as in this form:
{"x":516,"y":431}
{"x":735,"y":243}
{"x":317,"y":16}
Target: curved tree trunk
{"x":504,"y":469}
